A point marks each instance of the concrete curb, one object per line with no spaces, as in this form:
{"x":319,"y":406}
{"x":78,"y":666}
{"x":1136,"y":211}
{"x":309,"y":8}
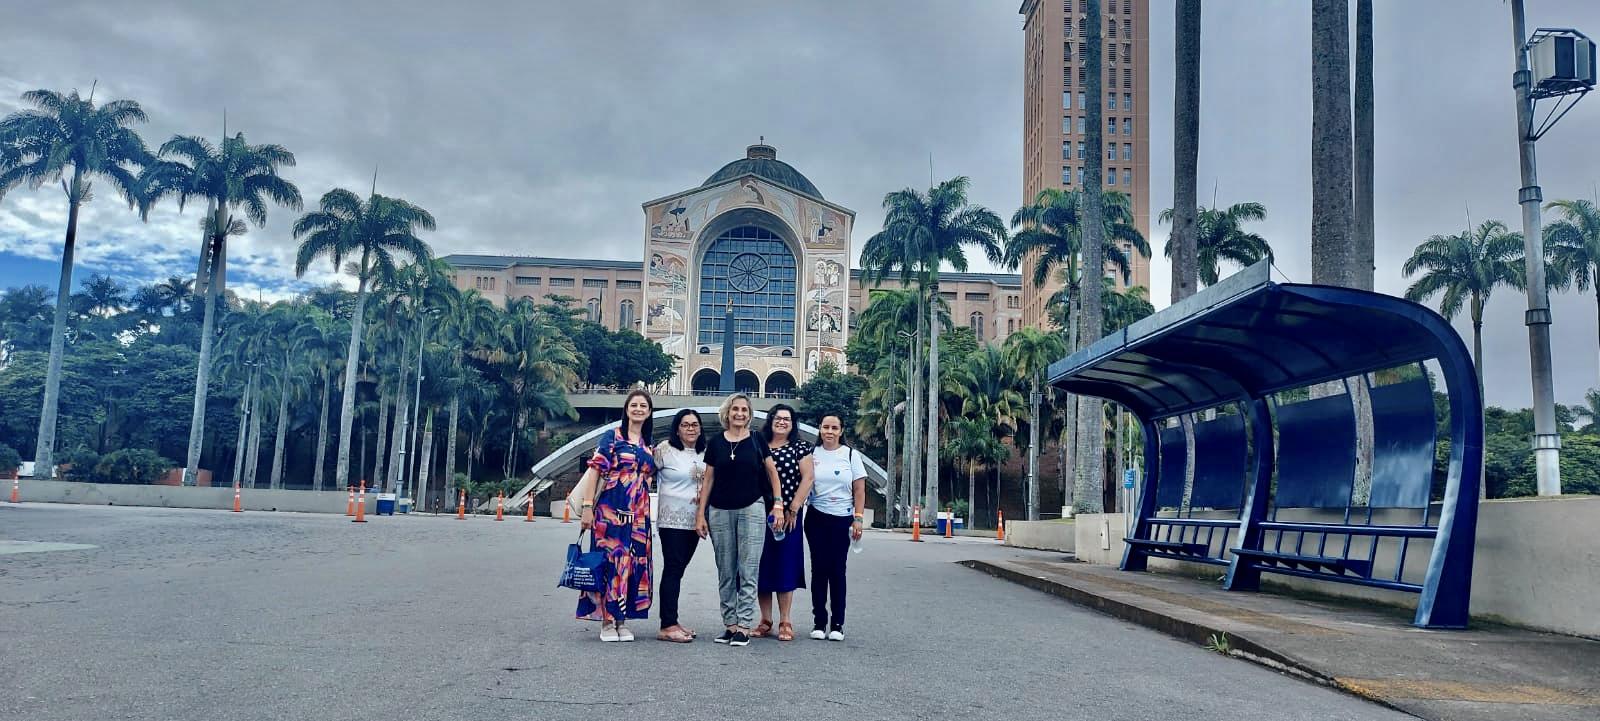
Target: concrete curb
{"x":1200,"y":634}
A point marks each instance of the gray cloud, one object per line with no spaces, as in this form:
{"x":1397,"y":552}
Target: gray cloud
{"x":539,"y":127}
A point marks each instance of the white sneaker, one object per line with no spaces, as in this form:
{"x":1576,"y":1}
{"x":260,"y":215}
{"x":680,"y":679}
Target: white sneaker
{"x":836,"y":635}
{"x":608,"y":633}
{"x":624,"y":633}
{"x":818,"y":634}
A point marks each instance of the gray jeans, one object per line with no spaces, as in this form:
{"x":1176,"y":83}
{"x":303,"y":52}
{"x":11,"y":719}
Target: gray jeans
{"x":737,"y":537}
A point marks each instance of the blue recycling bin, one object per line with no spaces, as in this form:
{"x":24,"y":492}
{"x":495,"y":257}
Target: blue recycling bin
{"x":961,"y":523}
{"x":385,"y":504}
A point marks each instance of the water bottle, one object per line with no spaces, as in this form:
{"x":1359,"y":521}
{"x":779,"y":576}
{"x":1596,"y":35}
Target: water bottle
{"x":855,"y":543}
{"x":778,"y":533}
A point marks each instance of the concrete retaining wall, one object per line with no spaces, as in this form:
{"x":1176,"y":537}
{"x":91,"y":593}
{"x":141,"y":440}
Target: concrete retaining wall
{"x":186,"y":497}
{"x":1536,"y":563}
{"x":1044,"y":535}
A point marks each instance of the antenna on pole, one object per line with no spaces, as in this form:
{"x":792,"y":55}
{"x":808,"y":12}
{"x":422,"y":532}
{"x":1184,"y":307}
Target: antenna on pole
{"x":374,"y":178}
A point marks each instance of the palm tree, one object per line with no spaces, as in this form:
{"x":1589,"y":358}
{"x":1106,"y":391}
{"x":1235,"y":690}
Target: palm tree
{"x":326,"y":358}
{"x":102,"y":296}
{"x":537,"y":365}
{"x":377,"y":230}
{"x":886,"y":316}
{"x":989,"y":388}
{"x":293,"y":333}
{"x":1466,"y":268}
{"x":1363,"y":230}
{"x":921,"y":232}
{"x":1030,"y":351}
{"x":1221,"y":236}
{"x":417,"y":291}
{"x":236,"y":177}
{"x":62,"y":136}
{"x":876,"y":420}
{"x":1333,"y":255}
{"x":1572,"y":245}
{"x":1091,"y":469}
{"x":1050,"y":231}
{"x":1181,"y":246}
{"x":469,"y":319}
{"x":1590,"y":409}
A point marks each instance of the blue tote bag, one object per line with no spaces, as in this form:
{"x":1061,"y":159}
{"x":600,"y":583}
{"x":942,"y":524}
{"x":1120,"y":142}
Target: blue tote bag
{"x":586,"y":570}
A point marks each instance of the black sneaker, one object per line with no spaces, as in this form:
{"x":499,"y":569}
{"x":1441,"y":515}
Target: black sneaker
{"x":739,"y":638}
{"x":726,"y":637}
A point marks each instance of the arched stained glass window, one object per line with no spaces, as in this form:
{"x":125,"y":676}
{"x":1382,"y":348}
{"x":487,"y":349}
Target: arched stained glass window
{"x":752,"y":267}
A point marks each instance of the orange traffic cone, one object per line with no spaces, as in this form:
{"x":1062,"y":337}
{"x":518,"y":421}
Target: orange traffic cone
{"x":916,"y":523}
{"x":529,"y":519}
{"x":566,"y":512}
{"x":1000,"y":525}
{"x":16,"y":490}
{"x":350,"y":505}
{"x":361,"y":504}
{"x":461,"y":505}
{"x":500,"y":506}
{"x":949,"y":522}
{"x":236,"y":507}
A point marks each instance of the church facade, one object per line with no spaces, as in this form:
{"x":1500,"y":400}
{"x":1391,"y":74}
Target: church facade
{"x":757,"y":237}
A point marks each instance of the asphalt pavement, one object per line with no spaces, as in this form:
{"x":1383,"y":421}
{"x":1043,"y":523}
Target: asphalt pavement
{"x":195,"y":614}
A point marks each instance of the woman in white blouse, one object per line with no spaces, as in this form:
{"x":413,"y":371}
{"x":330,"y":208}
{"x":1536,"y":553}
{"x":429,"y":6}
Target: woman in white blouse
{"x":680,"y":462}
{"x":838,"y":500}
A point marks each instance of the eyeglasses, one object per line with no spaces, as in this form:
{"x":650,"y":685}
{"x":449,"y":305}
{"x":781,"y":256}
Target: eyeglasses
{"x":776,"y":421}
{"x":688,"y":425}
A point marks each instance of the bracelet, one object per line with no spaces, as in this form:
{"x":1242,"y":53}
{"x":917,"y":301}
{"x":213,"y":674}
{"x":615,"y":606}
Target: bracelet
{"x":588,"y":504}
{"x":860,"y":519}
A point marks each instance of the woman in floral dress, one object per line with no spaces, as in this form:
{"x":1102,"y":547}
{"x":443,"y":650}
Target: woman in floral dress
{"x":618,"y":510}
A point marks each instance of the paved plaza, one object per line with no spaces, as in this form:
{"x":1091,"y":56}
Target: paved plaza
{"x":193,"y":614}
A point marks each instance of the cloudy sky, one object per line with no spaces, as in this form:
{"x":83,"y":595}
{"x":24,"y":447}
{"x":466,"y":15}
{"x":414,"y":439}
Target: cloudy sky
{"x":539,"y":127}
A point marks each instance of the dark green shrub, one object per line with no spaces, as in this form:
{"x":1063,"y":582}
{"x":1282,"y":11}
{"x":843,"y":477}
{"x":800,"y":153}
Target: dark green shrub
{"x":131,"y":465}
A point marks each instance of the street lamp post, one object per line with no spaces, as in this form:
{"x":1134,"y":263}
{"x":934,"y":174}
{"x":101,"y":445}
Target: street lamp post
{"x":910,"y":469}
{"x":1552,"y":83}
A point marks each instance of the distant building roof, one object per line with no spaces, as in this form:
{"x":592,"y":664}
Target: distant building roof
{"x":762,"y":160}
{"x":465,"y":260}
{"x":1006,"y":279}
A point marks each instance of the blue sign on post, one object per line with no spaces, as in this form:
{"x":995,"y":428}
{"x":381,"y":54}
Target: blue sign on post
{"x":1127,"y":478}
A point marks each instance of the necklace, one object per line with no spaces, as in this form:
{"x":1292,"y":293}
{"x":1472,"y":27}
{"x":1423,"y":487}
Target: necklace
{"x":734,"y":448}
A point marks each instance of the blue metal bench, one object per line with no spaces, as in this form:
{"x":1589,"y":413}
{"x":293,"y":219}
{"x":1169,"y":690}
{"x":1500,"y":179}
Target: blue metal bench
{"x":1274,"y":485}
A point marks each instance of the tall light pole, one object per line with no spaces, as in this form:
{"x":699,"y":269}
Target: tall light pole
{"x":1554,"y":82}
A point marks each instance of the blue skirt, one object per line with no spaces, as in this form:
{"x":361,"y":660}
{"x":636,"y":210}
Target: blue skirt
{"x":783,"y":563}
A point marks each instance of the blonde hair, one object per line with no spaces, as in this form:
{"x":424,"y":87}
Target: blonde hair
{"x":727,"y":404}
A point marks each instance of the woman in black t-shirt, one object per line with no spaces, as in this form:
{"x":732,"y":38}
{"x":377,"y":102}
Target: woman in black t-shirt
{"x":741,"y":481}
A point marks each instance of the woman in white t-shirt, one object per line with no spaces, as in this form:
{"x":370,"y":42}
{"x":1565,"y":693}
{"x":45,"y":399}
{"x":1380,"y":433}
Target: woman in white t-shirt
{"x":838,"y":500}
{"x":680,"y":463}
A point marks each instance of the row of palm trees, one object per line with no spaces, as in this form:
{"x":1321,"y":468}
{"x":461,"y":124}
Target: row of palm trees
{"x":69,"y":139}
{"x":1464,"y":268}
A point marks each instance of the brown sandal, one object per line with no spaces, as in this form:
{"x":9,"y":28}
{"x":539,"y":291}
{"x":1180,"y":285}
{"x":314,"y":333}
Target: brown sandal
{"x":785,"y":631}
{"x":762,"y":629}
{"x":675,"y":634}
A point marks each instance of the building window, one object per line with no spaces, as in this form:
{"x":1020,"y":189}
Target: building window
{"x":1083,"y":125}
{"x":1111,"y":151}
{"x":1083,"y":75}
{"x":1111,"y":101}
{"x":1066,"y":125}
{"x":1111,"y":176}
{"x":756,"y":271}
{"x":1011,"y":325}
{"x":1111,"y":7}
{"x":1013,"y":301}
{"x":1080,"y":150}
{"x":1066,"y":150}
{"x":1111,"y":28}
{"x":1066,"y":98}
{"x":1127,"y":176}
{"x":977,"y":296}
{"x":976,"y":322}
{"x":593,"y":308}
{"x":1080,"y":176}
{"x":1066,"y":27}
{"x":627,"y":285}
{"x":1127,"y":250}
{"x":1080,"y":100}
{"x":1083,"y":52}
{"x":527,"y":280}
{"x":1066,"y":52}
{"x":625,"y":315}
{"x":484,"y":282}
{"x":596,"y":283}
{"x":1127,"y":8}
{"x":1127,"y":151}
{"x":561,"y":283}
{"x":1066,"y":175}
{"x":1127,"y":126}
{"x":1127,"y":78}
{"x":1111,"y":126}
{"x":1127,"y":55}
